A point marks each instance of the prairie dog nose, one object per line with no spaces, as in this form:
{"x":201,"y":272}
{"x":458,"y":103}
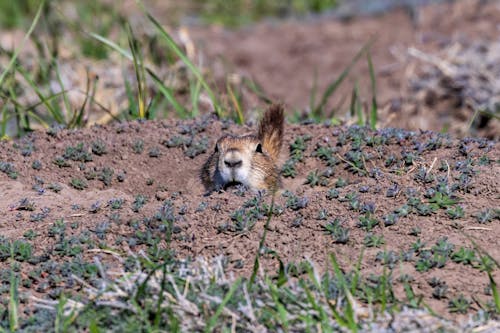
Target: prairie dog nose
{"x":233,"y":163}
{"x":233,"y":159}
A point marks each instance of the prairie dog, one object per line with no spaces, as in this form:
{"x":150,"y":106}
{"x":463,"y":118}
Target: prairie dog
{"x":249,"y":159}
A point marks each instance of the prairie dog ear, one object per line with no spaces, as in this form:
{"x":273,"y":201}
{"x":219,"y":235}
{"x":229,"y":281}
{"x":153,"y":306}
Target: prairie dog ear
{"x":258,"y":148}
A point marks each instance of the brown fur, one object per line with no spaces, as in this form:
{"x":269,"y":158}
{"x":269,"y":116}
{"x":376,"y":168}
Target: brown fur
{"x":258,"y":156}
{"x":271,"y":130}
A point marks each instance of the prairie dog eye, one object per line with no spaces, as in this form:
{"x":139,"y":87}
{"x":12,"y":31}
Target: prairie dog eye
{"x":216,"y":148}
{"x":258,"y":149}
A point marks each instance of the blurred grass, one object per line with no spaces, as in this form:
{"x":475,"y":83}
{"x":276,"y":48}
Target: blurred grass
{"x":102,"y":29}
{"x":102,"y":15}
{"x":236,"y":13}
{"x":15,"y":14}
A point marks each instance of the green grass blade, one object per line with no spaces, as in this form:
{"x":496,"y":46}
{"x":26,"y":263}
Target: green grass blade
{"x":133,"y":108}
{"x":384,"y":290}
{"x":332,"y":87}
{"x":261,"y":244}
{"x":5,"y":120}
{"x":374,"y":108}
{"x":257,"y":90}
{"x":357,"y":272}
{"x":485,"y":113}
{"x":356,"y":108}
{"x":169,"y":95}
{"x":21,"y":120}
{"x":158,"y":314}
{"x":151,"y":110}
{"x":112,"y":45}
{"x":61,"y":84}
{"x":29,"y":109}
{"x":195,"y":90}
{"x":78,"y":115}
{"x":38,"y":118}
{"x":13,"y":304}
{"x":494,"y":292}
{"x":93,"y":328}
{"x":167,"y":92}
{"x":140,"y":76}
{"x":322,"y":315}
{"x":282,"y":313}
{"x":349,"y":316}
{"x":213,"y":320}
{"x":176,"y":49}
{"x":26,"y":37}
{"x":33,"y":106}
{"x":236,"y":104}
{"x":55,"y":112}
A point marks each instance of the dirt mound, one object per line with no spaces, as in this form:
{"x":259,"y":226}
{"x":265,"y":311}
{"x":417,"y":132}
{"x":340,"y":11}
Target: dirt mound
{"x":413,"y":203}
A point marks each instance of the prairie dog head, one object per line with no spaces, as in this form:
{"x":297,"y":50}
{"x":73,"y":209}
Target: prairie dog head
{"x":235,"y":158}
{"x":249,"y":159}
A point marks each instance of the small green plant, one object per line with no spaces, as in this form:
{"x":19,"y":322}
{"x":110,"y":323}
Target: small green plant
{"x":322,"y":214}
{"x":99,"y":147}
{"x":26,"y":204}
{"x":8,"y":169}
{"x":116,"y":203}
{"x":22,"y":250}
{"x":154,"y":152}
{"x":139,"y":201}
{"x":341,"y":182}
{"x":417,"y":245}
{"x":78,"y":183}
{"x":242,"y":222}
{"x":372,"y":240}
{"x":326,"y":154}
{"x":485,"y":264}
{"x":332,"y":193}
{"x":440,"y":291}
{"x":297,"y":149}
{"x":138,"y":146}
{"x":57,"y":229}
{"x":55,"y":187}
{"x":78,"y":153}
{"x":105,"y":175}
{"x":415,"y":231}
{"x":487,"y":215}
{"x":288,"y":169}
{"x":390,"y":219}
{"x":36,"y":165}
{"x":294,"y":202}
{"x":459,"y":304}
{"x":314,"y":178}
{"x":367,"y":222}
{"x":455,"y":212}
{"x":339,"y":233}
{"x":464,"y":256}
{"x":440,"y":200}
{"x":61,"y":162}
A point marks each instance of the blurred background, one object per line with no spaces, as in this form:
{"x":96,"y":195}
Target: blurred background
{"x":414,"y":64}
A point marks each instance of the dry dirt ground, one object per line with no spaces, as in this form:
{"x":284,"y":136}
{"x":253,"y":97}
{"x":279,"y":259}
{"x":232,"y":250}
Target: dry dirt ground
{"x":122,"y":161}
